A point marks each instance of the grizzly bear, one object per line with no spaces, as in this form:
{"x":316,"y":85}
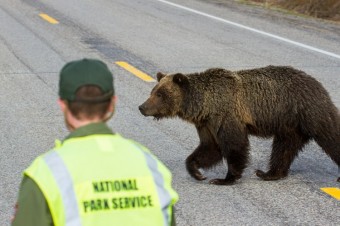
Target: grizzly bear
{"x":227,"y":106}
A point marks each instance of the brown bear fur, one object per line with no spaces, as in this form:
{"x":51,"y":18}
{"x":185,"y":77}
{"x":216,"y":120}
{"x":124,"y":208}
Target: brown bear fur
{"x":227,"y":106}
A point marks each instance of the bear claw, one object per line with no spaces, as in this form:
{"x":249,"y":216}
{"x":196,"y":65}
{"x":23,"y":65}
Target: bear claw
{"x":222,"y":182}
{"x":260,"y":173}
{"x":199,"y":176}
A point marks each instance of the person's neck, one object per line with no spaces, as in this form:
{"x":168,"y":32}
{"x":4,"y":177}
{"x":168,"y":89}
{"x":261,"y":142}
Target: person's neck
{"x":74,"y":123}
{"x":85,"y":123}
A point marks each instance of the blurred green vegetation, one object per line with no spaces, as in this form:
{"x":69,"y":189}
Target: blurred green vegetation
{"x":325,"y":9}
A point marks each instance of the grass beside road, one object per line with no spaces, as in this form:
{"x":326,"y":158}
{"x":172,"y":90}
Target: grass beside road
{"x":325,"y":9}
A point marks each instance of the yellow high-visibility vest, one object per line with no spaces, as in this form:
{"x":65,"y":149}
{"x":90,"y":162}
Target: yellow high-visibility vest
{"x":104,"y":180}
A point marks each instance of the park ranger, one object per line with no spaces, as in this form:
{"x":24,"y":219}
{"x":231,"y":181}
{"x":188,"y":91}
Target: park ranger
{"x":94,"y":176}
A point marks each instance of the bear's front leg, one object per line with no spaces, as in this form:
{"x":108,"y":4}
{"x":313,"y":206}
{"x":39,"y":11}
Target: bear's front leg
{"x":234,"y":145}
{"x":206,"y":155}
{"x":193,"y":168}
{"x":229,"y":180}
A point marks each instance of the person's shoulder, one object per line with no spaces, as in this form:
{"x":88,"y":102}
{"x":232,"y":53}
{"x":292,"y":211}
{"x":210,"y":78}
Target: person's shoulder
{"x":133,"y":142}
{"x":37,"y":163}
{"x":140,"y":146}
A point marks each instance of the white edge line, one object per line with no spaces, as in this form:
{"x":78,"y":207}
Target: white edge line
{"x":253,"y":29}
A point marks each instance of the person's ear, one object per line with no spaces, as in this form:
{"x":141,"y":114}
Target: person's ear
{"x":112,"y":104}
{"x":62,"y":104}
{"x":111,"y":109}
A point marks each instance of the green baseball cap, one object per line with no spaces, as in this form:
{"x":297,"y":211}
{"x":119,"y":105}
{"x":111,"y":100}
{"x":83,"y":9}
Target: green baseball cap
{"x":76,"y":74}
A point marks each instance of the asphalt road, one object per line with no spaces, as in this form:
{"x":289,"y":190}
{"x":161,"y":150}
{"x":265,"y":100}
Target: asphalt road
{"x":154,"y":35}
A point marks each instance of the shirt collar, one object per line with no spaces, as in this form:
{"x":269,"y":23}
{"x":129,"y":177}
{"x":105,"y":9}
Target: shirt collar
{"x":90,"y":129}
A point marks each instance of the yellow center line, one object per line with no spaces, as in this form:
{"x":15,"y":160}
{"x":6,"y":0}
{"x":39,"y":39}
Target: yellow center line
{"x":48,"y":18}
{"x":334,"y":192}
{"x":135,"y":71}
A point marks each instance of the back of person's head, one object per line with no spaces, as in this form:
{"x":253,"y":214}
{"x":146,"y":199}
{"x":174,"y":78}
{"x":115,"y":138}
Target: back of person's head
{"x":87,"y":87}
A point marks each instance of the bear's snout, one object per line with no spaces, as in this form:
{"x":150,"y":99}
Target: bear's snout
{"x":148,"y":109}
{"x":142,"y":109}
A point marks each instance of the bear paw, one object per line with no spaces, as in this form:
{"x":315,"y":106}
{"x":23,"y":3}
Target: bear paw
{"x":198,"y":176}
{"x":222,"y":182}
{"x":269,"y":175}
{"x":193,"y":170}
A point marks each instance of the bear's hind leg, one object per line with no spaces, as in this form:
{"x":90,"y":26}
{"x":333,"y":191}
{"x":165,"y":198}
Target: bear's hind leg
{"x":332,"y":149}
{"x":206,"y":155}
{"x":284,"y":150}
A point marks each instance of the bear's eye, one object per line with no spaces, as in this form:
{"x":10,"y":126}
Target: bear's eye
{"x":158,"y":94}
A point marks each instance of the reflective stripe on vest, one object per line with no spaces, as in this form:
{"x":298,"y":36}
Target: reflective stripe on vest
{"x":65,"y":184}
{"x":163,"y":194}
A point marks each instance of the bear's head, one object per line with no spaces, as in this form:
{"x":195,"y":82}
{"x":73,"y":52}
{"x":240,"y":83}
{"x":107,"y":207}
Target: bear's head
{"x":166,"y":97}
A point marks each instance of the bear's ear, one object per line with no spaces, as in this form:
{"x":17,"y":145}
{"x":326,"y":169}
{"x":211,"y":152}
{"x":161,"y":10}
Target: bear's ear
{"x":160,"y":75}
{"x":180,"y":79}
